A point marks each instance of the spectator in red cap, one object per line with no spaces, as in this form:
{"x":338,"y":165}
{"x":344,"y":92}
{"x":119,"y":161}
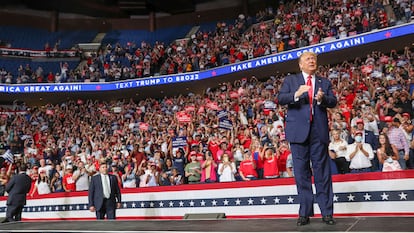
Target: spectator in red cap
{"x":398,"y":138}
{"x":193,"y":169}
{"x":359,"y":154}
{"x":69,"y":184}
{"x":225,"y":147}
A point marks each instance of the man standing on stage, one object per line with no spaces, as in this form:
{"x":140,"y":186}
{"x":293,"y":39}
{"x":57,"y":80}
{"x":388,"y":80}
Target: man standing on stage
{"x":17,"y":189}
{"x":104,"y":194}
{"x":307,"y":97}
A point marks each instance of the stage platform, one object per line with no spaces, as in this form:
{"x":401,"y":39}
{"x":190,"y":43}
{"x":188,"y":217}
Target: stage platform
{"x":349,"y":224}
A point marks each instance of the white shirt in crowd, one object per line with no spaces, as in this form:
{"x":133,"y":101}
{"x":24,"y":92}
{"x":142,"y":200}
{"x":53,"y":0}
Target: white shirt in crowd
{"x":337,"y":147}
{"x":228,"y":172}
{"x":359,"y":161}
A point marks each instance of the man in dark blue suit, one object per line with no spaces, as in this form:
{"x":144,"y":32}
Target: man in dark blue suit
{"x":104,"y":194}
{"x":307,"y":97}
{"x":17,"y":189}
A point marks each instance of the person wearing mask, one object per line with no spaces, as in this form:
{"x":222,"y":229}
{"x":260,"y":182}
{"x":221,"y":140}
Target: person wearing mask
{"x":308,"y":97}
{"x":359,"y":154}
{"x":367,"y":137}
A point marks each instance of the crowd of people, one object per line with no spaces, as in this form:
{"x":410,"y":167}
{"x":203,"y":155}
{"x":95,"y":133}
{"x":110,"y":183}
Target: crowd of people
{"x":292,"y":25}
{"x":230,"y":133}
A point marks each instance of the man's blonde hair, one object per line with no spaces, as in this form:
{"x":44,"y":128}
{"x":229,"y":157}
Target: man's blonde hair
{"x":308,"y":53}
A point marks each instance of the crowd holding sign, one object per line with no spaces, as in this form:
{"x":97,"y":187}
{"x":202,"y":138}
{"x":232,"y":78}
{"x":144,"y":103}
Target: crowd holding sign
{"x":225,"y":123}
{"x":179,"y":142}
{"x":183,"y":117}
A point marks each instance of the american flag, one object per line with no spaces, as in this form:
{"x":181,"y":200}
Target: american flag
{"x":8,"y":156}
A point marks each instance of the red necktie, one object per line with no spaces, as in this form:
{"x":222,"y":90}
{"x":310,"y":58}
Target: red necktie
{"x":310,"y":93}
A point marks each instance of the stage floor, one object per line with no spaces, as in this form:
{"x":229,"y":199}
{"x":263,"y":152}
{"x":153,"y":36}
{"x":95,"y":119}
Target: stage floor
{"x":355,"y":224}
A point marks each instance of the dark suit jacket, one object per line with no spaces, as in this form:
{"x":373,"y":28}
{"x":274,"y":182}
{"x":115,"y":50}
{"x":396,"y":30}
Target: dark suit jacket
{"x":298,"y":114}
{"x":370,"y":138}
{"x":96,"y":197}
{"x":17,"y":188}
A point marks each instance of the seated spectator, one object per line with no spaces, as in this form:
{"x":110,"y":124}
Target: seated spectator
{"x":69,"y":184}
{"x":397,"y":137}
{"x":359,"y":154}
{"x":226,"y":169}
{"x":247,"y":169}
{"x":179,"y":160}
{"x":193,"y":170}
{"x":283,"y":153}
{"x":337,"y":151}
{"x":56,"y":183}
{"x":129,"y":179}
{"x":42,"y":185}
{"x":270,"y":162}
{"x":176,"y":178}
{"x":81,"y":177}
{"x":387,"y":154}
{"x":164,"y":179}
{"x":208,"y":169}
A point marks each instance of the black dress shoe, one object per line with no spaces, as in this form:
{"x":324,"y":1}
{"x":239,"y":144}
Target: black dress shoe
{"x":302,"y":221}
{"x":329,"y":220}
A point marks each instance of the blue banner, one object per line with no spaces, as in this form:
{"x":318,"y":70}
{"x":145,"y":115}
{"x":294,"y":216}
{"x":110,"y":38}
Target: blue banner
{"x":179,"y":142}
{"x":326,"y":47}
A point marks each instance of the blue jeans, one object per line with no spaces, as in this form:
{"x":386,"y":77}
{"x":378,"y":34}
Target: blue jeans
{"x":401,"y":160}
{"x":361,"y":170}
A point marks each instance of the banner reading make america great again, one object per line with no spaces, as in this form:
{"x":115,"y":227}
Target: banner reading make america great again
{"x":326,"y":47}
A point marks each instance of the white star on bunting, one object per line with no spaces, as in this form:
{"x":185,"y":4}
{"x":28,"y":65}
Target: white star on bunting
{"x":250,"y":201}
{"x":384,"y":196}
{"x":351,"y":197}
{"x":238,"y":201}
{"x":403,"y":196}
{"x":367,"y":197}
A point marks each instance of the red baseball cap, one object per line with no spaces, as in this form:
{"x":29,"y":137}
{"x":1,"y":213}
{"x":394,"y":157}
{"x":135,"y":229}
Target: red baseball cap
{"x":388,"y":119}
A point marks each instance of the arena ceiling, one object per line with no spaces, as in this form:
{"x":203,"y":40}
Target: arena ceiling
{"x":114,"y":8}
